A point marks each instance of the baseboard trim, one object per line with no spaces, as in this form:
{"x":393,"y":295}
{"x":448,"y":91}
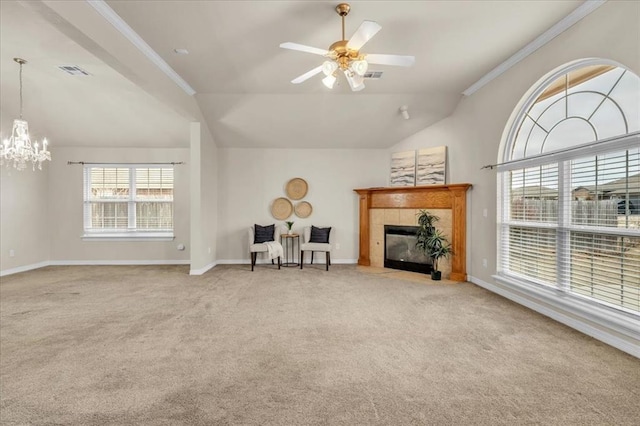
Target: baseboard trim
{"x":344,"y":261}
{"x":116,"y":262}
{"x":39,"y":265}
{"x":201,"y":271}
{"x":618,"y":331}
{"x":24,"y":268}
{"x":264,"y":261}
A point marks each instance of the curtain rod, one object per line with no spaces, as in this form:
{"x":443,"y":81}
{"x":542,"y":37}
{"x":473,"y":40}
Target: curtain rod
{"x":520,"y":160}
{"x":70,"y":163}
{"x":563,"y":151}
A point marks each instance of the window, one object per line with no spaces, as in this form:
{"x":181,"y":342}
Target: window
{"x":128,"y":201}
{"x":570,"y":187}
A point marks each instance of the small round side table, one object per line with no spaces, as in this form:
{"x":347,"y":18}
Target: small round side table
{"x":288,"y":242}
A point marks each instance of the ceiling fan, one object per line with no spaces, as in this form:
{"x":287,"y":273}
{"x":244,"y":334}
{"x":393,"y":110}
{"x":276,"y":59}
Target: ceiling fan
{"x":345,"y":55}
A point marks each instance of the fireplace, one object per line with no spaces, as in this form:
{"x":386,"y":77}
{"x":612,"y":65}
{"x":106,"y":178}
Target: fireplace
{"x":399,"y":206}
{"x":400,"y":250}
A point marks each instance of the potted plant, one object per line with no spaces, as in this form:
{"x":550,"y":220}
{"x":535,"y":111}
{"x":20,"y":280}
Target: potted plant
{"x":438,"y":247}
{"x":426,"y":224}
{"x":289,"y":227}
{"x":432,"y":242}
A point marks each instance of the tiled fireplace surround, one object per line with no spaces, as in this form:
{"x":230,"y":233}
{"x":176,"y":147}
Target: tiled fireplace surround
{"x":378,"y":218}
{"x":400,"y":206}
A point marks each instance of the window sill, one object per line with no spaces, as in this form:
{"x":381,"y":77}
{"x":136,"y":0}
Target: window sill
{"x":129,"y":236}
{"x":624,"y":322}
{"x":615,"y":328}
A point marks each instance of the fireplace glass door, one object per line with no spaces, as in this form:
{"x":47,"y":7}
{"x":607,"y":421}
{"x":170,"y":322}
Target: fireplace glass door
{"x":400,"y":250}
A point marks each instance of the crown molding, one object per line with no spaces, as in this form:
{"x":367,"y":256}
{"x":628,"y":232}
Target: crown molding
{"x":567,"y":22}
{"x":114,"y":19}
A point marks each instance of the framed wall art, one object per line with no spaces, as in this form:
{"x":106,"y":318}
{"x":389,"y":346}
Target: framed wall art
{"x":431,"y":166}
{"x":403,"y":169}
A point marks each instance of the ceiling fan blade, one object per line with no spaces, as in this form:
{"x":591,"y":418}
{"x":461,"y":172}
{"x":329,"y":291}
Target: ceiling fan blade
{"x":363,"y":34}
{"x":303,"y":48}
{"x":307,"y":75}
{"x":399,"y":60}
{"x":356,"y":82}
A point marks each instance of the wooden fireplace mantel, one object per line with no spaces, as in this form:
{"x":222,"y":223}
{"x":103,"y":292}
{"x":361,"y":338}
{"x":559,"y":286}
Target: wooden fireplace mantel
{"x":420,"y":197}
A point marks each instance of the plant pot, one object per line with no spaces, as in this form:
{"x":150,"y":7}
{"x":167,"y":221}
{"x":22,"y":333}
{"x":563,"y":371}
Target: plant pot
{"x":436,"y":275}
{"x":290,"y":231}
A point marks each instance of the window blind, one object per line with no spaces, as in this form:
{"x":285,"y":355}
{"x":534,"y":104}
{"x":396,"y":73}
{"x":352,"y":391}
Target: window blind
{"x":534,"y":194}
{"x":575,"y":225}
{"x":606,"y":267}
{"x":531,"y":253}
{"x":570,"y":187}
{"x":604,"y":228}
{"x":128,"y":199}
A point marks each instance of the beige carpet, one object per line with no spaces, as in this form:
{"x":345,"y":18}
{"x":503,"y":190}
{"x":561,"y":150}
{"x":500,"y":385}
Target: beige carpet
{"x":151,"y":345}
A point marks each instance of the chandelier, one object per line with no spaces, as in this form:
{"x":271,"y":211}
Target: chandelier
{"x":18,"y":149}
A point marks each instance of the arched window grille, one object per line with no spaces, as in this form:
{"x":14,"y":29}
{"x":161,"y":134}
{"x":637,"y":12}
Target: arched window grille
{"x":569,"y":210}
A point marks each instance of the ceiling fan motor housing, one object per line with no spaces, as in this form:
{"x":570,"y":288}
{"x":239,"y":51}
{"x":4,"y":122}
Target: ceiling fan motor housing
{"x":343,"y":9}
{"x":342,"y":54}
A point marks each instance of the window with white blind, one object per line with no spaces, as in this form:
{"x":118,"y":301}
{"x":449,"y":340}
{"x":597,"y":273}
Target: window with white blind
{"x":130,"y":201}
{"x":570,"y":187}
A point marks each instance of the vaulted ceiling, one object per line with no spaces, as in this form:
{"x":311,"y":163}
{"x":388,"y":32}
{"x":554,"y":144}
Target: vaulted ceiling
{"x":240,"y":75}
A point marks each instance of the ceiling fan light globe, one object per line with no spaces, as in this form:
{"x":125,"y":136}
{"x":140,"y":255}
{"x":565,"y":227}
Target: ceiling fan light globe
{"x":359,"y":67}
{"x":329,"y":67}
{"x":356,"y":82}
{"x":329,"y":81}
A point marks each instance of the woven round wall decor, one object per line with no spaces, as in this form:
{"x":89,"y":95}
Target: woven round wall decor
{"x":297,"y":188}
{"x":281,"y":208}
{"x":303,"y":209}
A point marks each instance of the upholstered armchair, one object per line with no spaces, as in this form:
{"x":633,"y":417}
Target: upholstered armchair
{"x":313,"y":240}
{"x":255,"y":248}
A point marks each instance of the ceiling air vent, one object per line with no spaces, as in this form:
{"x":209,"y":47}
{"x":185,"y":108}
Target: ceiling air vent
{"x":373,"y":74}
{"x":73,"y":70}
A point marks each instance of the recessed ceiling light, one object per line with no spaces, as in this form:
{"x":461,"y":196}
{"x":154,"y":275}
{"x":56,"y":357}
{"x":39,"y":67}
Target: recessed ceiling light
{"x":181,"y":51}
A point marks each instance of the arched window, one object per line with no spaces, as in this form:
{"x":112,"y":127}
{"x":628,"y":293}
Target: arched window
{"x":569,"y":208}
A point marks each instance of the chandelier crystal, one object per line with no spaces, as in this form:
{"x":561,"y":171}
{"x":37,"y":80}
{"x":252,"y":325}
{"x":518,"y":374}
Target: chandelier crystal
{"x":18,"y":149}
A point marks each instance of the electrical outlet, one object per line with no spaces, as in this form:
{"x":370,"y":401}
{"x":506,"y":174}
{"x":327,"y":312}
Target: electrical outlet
{"x":337,"y":246}
{"x":485,"y":213}
{"x":209,"y":250}
{"x":12,"y":253}
{"x":485,"y":263}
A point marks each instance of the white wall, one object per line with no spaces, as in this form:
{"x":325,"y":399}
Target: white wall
{"x":209,"y":195}
{"x":474,"y":131}
{"x":195,"y":212}
{"x":65,"y":208}
{"x":250,"y":179}
{"x":24,"y":222}
{"x":204,"y":202}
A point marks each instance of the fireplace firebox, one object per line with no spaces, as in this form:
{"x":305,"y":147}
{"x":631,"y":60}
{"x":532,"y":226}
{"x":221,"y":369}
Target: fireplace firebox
{"x":400,"y":250}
